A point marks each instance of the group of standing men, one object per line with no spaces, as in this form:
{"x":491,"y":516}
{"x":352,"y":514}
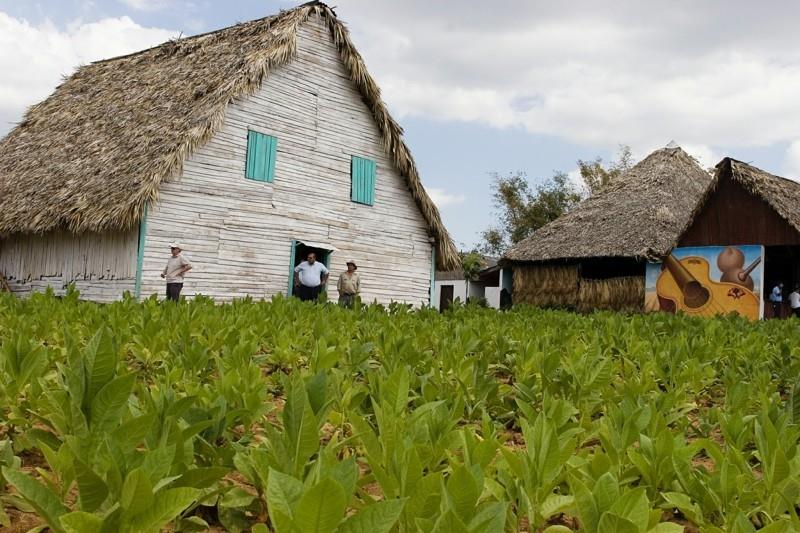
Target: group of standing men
{"x":776,"y":299}
{"x":310,"y":277}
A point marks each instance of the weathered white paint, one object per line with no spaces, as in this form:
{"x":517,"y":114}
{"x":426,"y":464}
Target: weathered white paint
{"x":102,"y":266}
{"x":238,"y":232}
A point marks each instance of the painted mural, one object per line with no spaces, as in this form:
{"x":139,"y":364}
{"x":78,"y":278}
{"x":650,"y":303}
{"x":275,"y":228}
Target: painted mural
{"x":707,"y":281}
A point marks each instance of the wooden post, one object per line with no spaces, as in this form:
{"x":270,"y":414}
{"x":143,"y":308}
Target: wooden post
{"x":140,"y":254}
{"x":431,"y":303}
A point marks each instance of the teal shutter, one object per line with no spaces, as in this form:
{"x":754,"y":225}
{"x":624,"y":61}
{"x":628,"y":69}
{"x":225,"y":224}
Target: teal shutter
{"x":261,"y":152}
{"x":362,"y":174}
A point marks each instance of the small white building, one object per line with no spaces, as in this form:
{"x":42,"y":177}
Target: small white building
{"x":488,"y":285}
{"x":251,"y":145}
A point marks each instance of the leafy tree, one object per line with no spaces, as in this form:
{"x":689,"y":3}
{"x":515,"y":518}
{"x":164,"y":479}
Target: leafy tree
{"x":522,"y":210}
{"x":471,"y":263}
{"x":596,"y":175}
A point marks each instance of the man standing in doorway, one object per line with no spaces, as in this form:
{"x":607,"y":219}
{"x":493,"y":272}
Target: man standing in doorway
{"x":177,"y":266}
{"x":776,"y":297}
{"x":309,"y":277}
{"x":349,"y":285}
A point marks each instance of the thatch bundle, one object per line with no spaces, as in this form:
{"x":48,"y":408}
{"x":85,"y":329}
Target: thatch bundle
{"x":93,"y":154}
{"x":561,"y":286}
{"x":546,"y":285}
{"x":615,"y":294}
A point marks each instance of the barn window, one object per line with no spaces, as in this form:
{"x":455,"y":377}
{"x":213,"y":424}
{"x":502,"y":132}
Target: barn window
{"x":261,"y":151}
{"x":362,"y":174}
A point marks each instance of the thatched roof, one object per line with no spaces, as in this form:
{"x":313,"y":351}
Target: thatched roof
{"x":782,"y":194}
{"x":641,"y":215}
{"x":93,"y":154}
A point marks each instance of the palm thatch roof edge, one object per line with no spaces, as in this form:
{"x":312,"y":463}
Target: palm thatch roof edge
{"x":92,"y":155}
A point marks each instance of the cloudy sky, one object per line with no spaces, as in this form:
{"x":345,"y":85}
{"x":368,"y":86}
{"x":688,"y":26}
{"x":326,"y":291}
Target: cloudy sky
{"x":503,"y":86}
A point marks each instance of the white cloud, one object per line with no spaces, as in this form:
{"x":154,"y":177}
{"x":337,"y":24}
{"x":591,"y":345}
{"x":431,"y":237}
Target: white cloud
{"x":145,"y":5}
{"x":792,"y":161}
{"x":637,"y":73}
{"x":34,"y":59}
{"x":705,"y":155}
{"x":442,"y":198}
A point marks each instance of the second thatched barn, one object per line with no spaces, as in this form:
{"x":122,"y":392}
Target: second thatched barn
{"x":252,"y":146}
{"x":594,"y":257}
{"x":597,"y":255}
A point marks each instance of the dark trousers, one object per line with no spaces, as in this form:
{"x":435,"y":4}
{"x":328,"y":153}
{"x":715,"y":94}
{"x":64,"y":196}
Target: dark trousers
{"x":347,"y":300}
{"x":308,"y":294}
{"x":174,"y":291}
{"x":796,"y":312}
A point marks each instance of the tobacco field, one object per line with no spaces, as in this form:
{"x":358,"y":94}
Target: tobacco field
{"x":289,"y":417}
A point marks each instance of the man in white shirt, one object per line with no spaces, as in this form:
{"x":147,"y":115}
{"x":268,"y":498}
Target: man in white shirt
{"x":794,"y":301}
{"x":309,"y":277}
{"x":177,"y":266}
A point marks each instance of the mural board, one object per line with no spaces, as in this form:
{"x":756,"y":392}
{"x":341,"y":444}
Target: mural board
{"x":707,"y":281}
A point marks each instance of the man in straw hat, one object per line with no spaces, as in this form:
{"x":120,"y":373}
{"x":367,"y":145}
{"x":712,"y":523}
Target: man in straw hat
{"x":177,"y":266}
{"x":349,"y":285}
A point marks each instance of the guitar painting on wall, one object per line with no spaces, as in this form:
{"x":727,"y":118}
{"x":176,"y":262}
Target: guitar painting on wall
{"x":708,"y":281}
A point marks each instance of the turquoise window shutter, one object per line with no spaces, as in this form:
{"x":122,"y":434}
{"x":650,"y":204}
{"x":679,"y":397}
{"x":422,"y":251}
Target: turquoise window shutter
{"x":261,"y":153}
{"x":362,"y":175}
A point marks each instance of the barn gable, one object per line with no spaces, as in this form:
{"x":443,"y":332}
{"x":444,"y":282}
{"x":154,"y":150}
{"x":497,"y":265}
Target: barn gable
{"x":125,"y":126}
{"x":240,"y":231}
{"x":746,"y":205}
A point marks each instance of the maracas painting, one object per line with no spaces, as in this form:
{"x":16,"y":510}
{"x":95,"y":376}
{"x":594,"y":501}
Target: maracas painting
{"x":707,"y":281}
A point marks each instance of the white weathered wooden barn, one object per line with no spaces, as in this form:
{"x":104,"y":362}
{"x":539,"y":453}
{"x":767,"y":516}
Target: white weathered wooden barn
{"x":250,"y":145}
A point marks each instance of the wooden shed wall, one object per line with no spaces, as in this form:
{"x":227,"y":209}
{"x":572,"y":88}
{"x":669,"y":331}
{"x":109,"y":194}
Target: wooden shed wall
{"x":734,"y":216}
{"x":238,"y":232}
{"x":102,"y":266}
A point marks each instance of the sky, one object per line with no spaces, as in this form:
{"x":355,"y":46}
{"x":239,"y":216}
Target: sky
{"x":484,"y":88}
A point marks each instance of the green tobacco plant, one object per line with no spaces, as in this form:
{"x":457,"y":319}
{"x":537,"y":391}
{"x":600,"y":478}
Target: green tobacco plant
{"x":258,"y":415}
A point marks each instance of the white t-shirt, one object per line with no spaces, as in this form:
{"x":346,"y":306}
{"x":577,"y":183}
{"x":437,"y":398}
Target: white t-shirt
{"x":794,"y":299}
{"x":311,"y":275}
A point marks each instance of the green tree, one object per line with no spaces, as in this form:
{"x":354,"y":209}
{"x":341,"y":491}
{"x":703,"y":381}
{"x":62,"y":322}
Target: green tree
{"x":471,"y":264}
{"x":522,"y":209}
{"x":596,"y":175}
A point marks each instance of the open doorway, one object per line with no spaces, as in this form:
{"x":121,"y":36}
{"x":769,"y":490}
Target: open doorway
{"x":781,"y":265}
{"x":300,"y":251}
{"x":445,"y":297}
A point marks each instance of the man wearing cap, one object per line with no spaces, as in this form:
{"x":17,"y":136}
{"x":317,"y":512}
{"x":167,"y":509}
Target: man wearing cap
{"x":349,"y":285}
{"x":177,"y":266}
{"x":309,"y":277}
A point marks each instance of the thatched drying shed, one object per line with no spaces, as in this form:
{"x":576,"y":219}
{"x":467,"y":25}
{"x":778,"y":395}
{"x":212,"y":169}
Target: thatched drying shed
{"x":251,"y":145}
{"x":594,"y":256}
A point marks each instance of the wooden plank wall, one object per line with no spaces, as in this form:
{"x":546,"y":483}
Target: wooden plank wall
{"x":734,"y":216}
{"x":238,"y":232}
{"x":102,"y":266}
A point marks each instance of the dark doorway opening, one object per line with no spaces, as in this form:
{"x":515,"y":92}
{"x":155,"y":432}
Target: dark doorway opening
{"x":781,"y":265}
{"x":445,"y":297}
{"x":300,"y":253}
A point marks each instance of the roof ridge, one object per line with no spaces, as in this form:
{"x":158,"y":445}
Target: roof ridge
{"x":175,"y":40}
